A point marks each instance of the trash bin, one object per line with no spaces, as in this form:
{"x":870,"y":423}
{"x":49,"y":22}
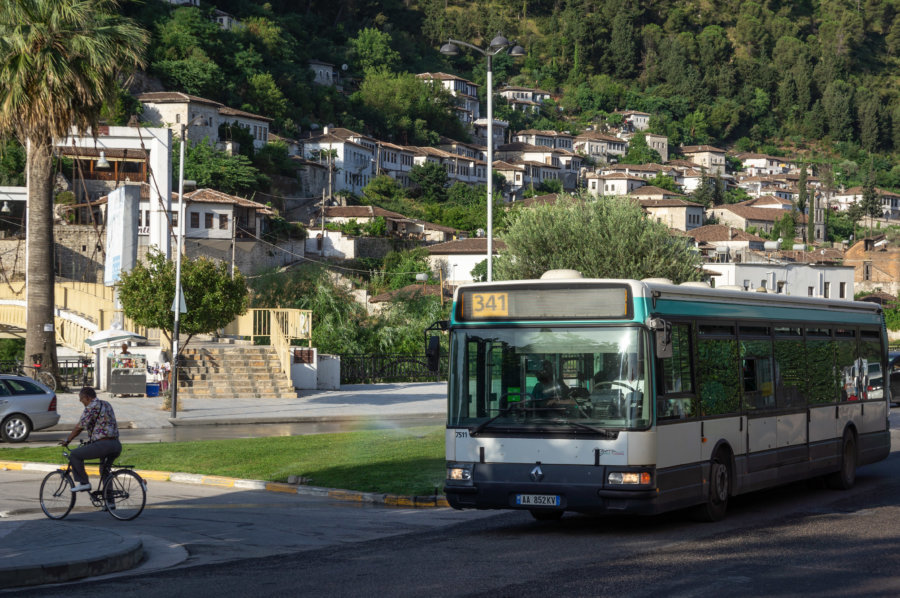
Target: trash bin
{"x":153,"y":389}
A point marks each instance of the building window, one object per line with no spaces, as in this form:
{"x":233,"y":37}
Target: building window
{"x":223,"y":221}
{"x":177,"y":118}
{"x":195,"y":220}
{"x":208,"y":220}
{"x":809,"y":291}
{"x":174,"y":216}
{"x":827,"y":290}
{"x":842,"y":290}
{"x":867,"y":271}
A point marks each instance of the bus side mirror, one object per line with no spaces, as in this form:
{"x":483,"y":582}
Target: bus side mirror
{"x":663,"y":335}
{"x":433,"y":354}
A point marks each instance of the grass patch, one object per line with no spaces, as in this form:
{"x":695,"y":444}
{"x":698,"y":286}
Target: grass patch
{"x":406,"y":461}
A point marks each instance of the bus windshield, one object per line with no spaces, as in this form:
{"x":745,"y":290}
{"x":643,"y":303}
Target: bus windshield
{"x":563,"y":379}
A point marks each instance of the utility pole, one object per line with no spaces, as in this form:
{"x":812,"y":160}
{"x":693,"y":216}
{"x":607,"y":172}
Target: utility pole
{"x":233,"y":240}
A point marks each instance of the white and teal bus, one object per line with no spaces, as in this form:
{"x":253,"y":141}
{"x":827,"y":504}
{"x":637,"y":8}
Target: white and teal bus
{"x":605,"y":396}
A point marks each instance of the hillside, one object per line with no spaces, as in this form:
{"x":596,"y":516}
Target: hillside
{"x":817,"y":76}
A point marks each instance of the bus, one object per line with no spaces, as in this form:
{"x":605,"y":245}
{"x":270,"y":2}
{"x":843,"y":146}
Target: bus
{"x":626,"y":396}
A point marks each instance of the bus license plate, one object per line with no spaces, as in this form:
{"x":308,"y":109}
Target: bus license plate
{"x":539,"y":500}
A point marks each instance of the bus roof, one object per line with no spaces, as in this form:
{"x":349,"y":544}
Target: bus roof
{"x":660,"y":289}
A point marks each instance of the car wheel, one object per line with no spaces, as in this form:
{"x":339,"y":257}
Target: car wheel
{"x":16,"y":428}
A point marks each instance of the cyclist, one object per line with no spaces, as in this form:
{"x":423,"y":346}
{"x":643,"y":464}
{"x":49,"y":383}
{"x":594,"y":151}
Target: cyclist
{"x":99,"y":420}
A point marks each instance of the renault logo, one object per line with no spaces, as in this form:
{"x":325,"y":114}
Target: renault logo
{"x":537,"y":474}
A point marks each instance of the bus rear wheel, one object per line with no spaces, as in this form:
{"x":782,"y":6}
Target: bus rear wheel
{"x":713,"y":509}
{"x":845,"y":477}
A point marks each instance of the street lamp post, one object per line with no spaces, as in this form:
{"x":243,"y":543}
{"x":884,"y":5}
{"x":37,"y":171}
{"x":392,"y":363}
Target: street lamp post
{"x":177,"y":303}
{"x":498,"y":44}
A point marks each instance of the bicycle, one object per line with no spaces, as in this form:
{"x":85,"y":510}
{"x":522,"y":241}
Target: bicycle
{"x":122,"y":492}
{"x":44,"y":377}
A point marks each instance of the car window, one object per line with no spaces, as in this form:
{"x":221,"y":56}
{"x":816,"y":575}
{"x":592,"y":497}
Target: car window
{"x":895,"y":364}
{"x":22,"y":387}
{"x":4,"y":389}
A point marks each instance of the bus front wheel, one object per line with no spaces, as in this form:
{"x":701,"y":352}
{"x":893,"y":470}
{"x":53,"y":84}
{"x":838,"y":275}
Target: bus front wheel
{"x":713,"y":509}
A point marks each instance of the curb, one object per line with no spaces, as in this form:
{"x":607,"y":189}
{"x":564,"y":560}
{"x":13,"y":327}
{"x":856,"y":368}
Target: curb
{"x":126,"y":553}
{"x":390,"y":500}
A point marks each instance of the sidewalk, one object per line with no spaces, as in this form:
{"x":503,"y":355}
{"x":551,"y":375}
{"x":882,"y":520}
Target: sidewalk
{"x":352,"y":402}
{"x":42,"y":556}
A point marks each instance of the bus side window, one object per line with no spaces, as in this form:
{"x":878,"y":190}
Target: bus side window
{"x":676,"y":383}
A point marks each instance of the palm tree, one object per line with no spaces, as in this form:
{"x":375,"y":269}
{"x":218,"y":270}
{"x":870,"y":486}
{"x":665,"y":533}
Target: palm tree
{"x":60,"y":60}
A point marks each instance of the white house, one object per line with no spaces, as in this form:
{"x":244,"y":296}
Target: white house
{"x":480,"y":127}
{"x":635,"y":119}
{"x":524,"y":98}
{"x":599,"y":146}
{"x":323,"y":73}
{"x":457,"y":259}
{"x":890,"y":201}
{"x":762,"y":164}
{"x":788,"y":278}
{"x":602,"y":185}
{"x":706,"y":156}
{"x":465,"y":92}
{"x":353,"y":159}
{"x":553,"y":139}
{"x":171,"y":109}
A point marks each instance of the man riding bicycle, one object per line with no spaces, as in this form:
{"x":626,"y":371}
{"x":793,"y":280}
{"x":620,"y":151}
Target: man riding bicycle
{"x":99,"y":420}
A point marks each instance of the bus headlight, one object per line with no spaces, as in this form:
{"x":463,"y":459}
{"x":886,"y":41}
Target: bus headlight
{"x":459,"y":473}
{"x":641,"y":478}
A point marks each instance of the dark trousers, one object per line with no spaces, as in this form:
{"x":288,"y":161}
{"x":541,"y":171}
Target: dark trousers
{"x":110,"y":447}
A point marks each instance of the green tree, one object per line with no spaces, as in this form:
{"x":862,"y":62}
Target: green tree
{"x":12,"y":163}
{"x":371,"y":50}
{"x":869,"y":127}
{"x":215,"y":169}
{"x":212,"y":298}
{"x":837,"y":102}
{"x":871,"y":199}
{"x":430,"y":181}
{"x":56,"y":73}
{"x":602,"y":239}
{"x":639,"y":152}
{"x":663,"y":182}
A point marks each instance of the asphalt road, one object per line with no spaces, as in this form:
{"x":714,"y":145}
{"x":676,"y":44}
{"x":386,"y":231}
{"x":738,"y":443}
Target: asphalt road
{"x":790,"y":541}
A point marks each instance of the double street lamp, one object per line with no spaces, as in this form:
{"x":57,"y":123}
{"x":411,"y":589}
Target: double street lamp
{"x":498,"y":44}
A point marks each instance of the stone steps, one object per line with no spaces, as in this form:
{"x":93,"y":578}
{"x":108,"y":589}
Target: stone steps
{"x":233,"y":371}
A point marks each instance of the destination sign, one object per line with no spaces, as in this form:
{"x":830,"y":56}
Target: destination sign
{"x":544,"y":303}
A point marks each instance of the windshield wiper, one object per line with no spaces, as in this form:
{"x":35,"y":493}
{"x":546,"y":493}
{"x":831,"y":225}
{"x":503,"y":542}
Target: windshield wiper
{"x":605,"y":433}
{"x":486,"y":423}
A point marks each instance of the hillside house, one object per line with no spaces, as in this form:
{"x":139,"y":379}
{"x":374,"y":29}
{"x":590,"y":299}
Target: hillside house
{"x":525,"y":99}
{"x":552,"y":139}
{"x":602,"y":185}
{"x":635,"y":120}
{"x":465,"y":92}
{"x":599,"y":146}
{"x":890,"y":200}
{"x":786,"y":278}
{"x":456,"y":259}
{"x":673,"y":211}
{"x":710,"y":158}
{"x":480,"y":131}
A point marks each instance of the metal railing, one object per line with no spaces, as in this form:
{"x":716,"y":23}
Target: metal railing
{"x":72,"y":373}
{"x":359,"y":369}
{"x":282,"y":328}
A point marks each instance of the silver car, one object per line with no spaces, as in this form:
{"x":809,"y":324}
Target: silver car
{"x":25,"y":405}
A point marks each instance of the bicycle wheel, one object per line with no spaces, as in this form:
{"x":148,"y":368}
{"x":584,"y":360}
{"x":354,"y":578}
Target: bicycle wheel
{"x":57,"y":498}
{"x":47,"y":379}
{"x":125,"y":495}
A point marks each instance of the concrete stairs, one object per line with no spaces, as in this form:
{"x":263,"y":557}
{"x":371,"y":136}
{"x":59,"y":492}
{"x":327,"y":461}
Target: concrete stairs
{"x":231,"y":372}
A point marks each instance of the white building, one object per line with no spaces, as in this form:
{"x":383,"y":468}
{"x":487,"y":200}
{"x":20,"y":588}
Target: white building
{"x":796,"y":279}
{"x":465,"y":92}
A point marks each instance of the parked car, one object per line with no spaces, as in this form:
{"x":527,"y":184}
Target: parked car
{"x":25,"y":405}
{"x":894,"y":372}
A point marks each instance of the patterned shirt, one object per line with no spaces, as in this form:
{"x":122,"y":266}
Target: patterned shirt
{"x":99,"y":420}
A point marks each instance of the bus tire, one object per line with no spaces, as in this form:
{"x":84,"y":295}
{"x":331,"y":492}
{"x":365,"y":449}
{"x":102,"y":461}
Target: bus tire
{"x":845,"y":477}
{"x":713,"y":509}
